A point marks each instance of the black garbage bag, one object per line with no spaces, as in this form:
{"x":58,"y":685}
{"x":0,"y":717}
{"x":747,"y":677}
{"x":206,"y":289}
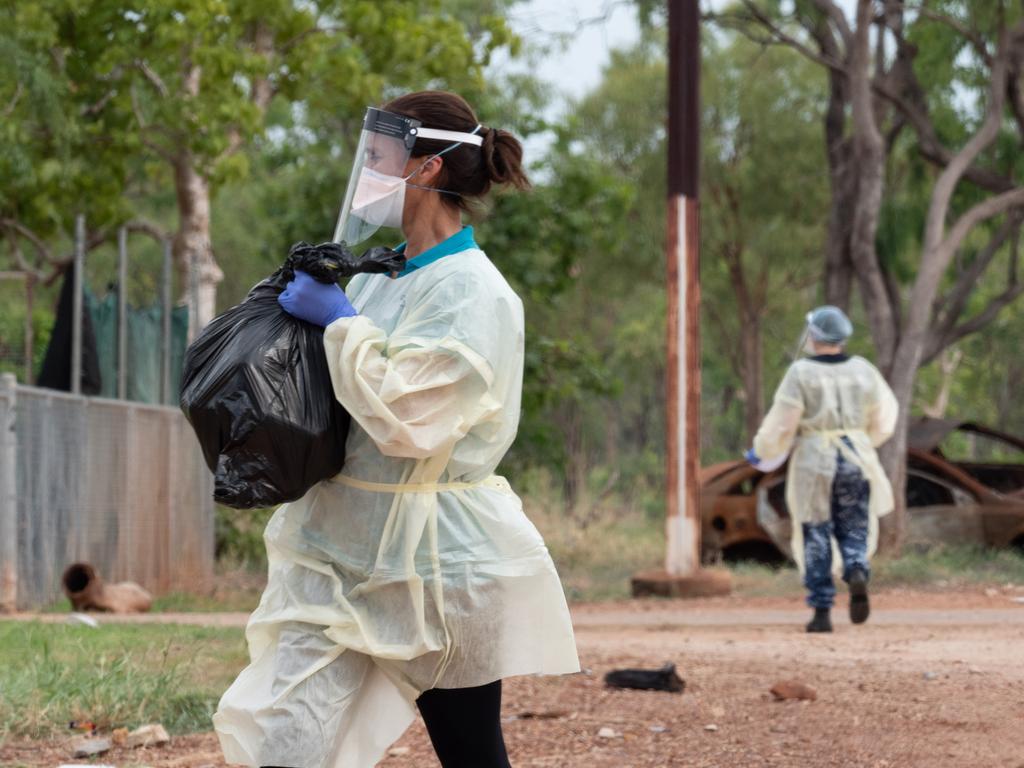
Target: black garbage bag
{"x":664,"y":679}
{"x":257,"y":390}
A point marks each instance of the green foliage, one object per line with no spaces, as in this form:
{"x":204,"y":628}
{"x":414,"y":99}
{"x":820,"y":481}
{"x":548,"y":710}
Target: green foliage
{"x":97,"y":102}
{"x":117,"y":676}
{"x":764,"y":210}
{"x":239,"y":535}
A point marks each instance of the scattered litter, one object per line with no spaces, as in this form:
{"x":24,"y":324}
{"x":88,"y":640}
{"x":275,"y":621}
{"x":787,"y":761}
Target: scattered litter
{"x":786,"y":690}
{"x":657,"y":729}
{"x":608,"y":733}
{"x":1017,"y":599}
{"x":975,"y":671}
{"x":930,"y":676}
{"x":82,"y":725}
{"x":664,"y":679}
{"x":87,"y":747}
{"x":550,"y":715}
{"x":153,"y":735}
{"x":83,"y":619}
{"x":399,"y":751}
{"x":711,"y":727}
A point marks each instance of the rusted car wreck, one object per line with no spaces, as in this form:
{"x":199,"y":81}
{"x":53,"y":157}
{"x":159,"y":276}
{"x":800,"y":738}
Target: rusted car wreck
{"x":965,"y":484}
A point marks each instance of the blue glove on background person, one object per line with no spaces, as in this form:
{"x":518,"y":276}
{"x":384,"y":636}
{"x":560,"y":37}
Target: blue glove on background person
{"x":761,"y":465}
{"x":315,"y":302}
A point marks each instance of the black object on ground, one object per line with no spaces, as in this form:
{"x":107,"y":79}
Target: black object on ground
{"x":257,"y":390}
{"x":664,"y":679}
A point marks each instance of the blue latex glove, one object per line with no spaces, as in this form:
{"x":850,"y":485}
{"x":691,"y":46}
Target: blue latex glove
{"x":752,"y":458}
{"x":315,"y":302}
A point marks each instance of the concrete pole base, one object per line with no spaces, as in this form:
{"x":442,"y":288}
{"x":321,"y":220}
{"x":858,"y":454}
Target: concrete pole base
{"x":704,"y":582}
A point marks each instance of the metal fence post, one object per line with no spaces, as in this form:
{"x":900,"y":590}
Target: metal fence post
{"x":122,"y":314}
{"x":193,"y":288}
{"x":8,"y":494}
{"x":30,"y":336}
{"x":165,"y":348}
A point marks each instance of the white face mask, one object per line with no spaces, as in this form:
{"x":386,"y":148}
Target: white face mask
{"x":379,"y":199}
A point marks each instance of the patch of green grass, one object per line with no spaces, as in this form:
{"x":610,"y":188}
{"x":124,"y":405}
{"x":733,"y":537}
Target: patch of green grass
{"x":946,"y":565}
{"x":116,"y":675}
{"x":750,"y":579}
{"x":941,"y":566}
{"x":242,"y":601}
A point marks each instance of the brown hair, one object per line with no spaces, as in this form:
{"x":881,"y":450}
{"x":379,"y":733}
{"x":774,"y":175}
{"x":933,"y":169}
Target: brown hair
{"x":468,"y":170}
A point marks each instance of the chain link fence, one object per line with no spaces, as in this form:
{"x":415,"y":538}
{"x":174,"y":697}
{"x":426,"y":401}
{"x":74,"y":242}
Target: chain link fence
{"x":118,"y":484}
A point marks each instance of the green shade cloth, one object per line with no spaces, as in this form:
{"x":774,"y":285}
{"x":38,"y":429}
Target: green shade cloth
{"x":144,"y":347}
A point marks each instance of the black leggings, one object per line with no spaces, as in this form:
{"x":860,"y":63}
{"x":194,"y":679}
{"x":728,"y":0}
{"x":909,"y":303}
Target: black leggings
{"x":465,"y":726}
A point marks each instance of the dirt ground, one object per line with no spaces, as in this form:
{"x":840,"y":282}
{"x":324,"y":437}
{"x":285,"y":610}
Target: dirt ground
{"x":932,"y":680}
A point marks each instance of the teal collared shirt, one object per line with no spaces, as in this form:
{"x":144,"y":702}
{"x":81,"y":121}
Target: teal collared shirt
{"x":460,"y":241}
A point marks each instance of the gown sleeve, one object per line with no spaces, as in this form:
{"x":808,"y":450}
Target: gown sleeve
{"x":882,"y":413}
{"x":778,"y":430}
{"x":419,"y":390}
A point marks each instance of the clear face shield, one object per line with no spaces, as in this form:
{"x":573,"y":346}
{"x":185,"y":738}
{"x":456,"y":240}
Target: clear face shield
{"x":375,"y":196}
{"x":826,"y":325}
{"x":803,"y":346}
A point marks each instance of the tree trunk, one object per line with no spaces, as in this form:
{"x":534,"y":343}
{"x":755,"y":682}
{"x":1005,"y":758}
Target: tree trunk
{"x":753,"y":376}
{"x":893,"y":454}
{"x":192,"y":246}
{"x":869,"y":157}
{"x":838,"y":262}
{"x":843,"y":183}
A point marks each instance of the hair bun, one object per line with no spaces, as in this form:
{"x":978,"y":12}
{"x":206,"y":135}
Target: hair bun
{"x":503,"y":158}
{"x":467,"y":171}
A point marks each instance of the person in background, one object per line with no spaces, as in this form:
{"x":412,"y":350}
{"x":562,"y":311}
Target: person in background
{"x":830,"y":413}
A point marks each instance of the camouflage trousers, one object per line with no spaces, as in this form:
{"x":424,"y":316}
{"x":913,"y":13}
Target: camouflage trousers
{"x":849,"y":526}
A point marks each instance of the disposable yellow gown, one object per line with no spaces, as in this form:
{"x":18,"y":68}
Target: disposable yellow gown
{"x":416,"y":567}
{"x":816,"y":405}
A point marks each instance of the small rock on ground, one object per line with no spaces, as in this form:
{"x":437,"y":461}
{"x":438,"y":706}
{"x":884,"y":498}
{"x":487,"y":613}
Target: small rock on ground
{"x":786,"y":690}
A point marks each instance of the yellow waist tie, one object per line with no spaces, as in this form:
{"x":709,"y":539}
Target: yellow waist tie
{"x":495,"y":482}
{"x":830,"y":434}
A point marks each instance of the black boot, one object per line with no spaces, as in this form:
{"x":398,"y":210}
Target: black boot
{"x":860,"y":608}
{"x":821,"y":622}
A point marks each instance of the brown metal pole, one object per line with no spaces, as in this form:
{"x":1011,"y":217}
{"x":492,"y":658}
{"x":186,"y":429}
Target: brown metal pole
{"x":683,"y":273}
{"x":682,"y":575}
